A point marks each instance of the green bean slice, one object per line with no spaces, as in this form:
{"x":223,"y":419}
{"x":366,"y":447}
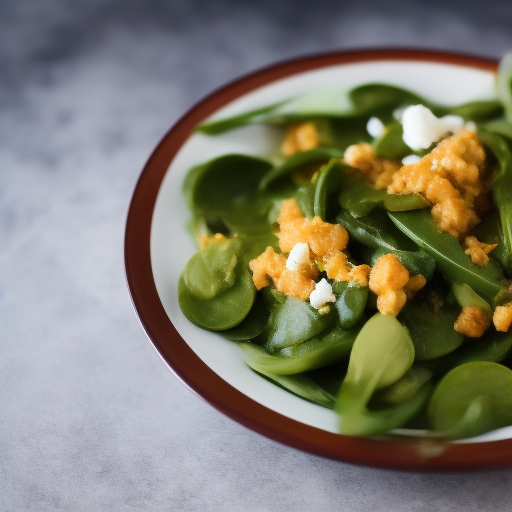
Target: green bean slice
{"x":224,"y":192}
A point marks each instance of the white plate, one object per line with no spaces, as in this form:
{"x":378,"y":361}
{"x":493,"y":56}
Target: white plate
{"x":441,"y":78}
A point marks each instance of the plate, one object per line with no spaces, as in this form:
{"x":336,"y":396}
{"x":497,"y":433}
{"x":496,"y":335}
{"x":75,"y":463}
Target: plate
{"x":157,"y":246}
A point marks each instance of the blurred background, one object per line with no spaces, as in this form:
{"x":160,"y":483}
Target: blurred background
{"x":90,"y":418}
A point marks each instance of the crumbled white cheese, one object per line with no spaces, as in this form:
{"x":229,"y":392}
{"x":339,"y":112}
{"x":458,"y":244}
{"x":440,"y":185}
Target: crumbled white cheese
{"x":410,"y":159}
{"x":321,"y":294}
{"x":298,"y":256}
{"x":375,"y":127}
{"x":422,"y":127}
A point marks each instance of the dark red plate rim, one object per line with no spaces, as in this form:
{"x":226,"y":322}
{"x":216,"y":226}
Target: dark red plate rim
{"x":393,"y":453}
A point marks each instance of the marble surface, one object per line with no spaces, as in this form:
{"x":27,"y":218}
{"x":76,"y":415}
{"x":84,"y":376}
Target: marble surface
{"x":90,"y":418}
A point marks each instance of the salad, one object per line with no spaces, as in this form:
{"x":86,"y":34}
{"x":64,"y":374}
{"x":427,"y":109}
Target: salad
{"x":366,"y":267}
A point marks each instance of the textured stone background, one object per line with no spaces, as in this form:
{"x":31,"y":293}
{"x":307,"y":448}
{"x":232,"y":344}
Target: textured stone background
{"x":90,"y":419}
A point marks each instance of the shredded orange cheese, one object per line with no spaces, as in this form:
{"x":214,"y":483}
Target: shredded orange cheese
{"x":378,"y":172}
{"x":478,"y":251}
{"x":449,"y":177}
{"x":300,"y":137}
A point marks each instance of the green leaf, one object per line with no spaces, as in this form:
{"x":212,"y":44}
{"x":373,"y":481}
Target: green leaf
{"x":257,"y":116}
{"x":223,"y":192}
{"x":298,"y":384}
{"x":328,"y":183}
{"x":351,"y":303}
{"x":472,"y":399}
{"x":253,"y":324}
{"x":360,"y":199}
{"x":450,"y":258}
{"x":306,"y":356}
{"x":224,"y":310}
{"x":293,"y":322}
{"x":502,"y":189}
{"x":493,"y":347}
{"x":390,"y":145}
{"x":319,"y":154}
{"x":377,"y":231}
{"x":405,"y":387}
{"x":431,"y":328}
{"x":382,"y":353}
{"x":211,"y":270}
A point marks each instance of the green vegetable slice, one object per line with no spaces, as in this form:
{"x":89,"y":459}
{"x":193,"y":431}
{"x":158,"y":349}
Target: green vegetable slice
{"x":222,"y":312}
{"x":405,"y":388}
{"x":361,"y":199}
{"x":377,"y":231}
{"x":214,"y":291}
{"x":450,"y":258}
{"x":306,"y":356}
{"x":351,"y":303}
{"x":405,"y":202}
{"x":253,"y":324}
{"x":373,"y":422}
{"x":300,"y":385}
{"x":256,"y":116}
{"x":472,"y":399}
{"x":390,"y":145}
{"x":211,"y":270}
{"x":224,"y":192}
{"x":382,"y":353}
{"x":328,"y":183}
{"x":294,"y":321}
{"x":431,"y":329}
{"x":492,"y":347}
{"x":318,"y":155}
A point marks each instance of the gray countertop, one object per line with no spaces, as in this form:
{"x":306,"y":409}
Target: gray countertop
{"x":90,"y":418}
